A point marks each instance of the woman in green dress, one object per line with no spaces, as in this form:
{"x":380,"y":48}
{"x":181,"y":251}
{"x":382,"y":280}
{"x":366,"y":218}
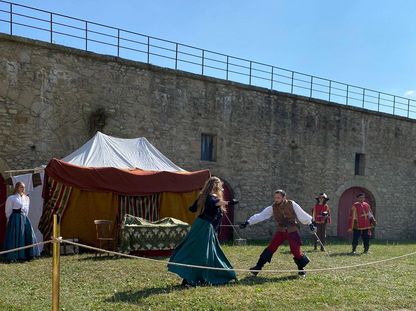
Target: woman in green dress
{"x":201,"y":246}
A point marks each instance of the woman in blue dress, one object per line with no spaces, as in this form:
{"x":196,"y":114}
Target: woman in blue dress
{"x":201,"y":246}
{"x":19,"y":230}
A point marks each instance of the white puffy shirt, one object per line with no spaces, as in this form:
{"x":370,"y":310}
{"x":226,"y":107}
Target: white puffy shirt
{"x":16,"y":201}
{"x":303,"y":217}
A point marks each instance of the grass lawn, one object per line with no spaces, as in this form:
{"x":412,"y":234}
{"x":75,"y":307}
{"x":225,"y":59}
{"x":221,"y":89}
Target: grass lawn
{"x":111,"y":283}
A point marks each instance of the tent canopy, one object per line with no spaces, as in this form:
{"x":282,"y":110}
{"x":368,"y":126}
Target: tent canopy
{"x":107,"y":151}
{"x":125,"y":182}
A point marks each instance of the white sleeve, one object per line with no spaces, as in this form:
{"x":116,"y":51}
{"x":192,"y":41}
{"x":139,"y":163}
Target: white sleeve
{"x":263,"y":215}
{"x":303,"y":217}
{"x":9,"y":207}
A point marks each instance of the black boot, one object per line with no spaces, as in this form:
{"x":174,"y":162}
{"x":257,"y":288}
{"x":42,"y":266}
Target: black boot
{"x":301,"y":263}
{"x":366,"y":248}
{"x":354,"y":248}
{"x":265,"y":256}
{"x":185,"y":284}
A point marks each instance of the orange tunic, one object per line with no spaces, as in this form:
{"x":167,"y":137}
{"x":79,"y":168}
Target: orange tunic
{"x":361,"y":216}
{"x":317,"y":211}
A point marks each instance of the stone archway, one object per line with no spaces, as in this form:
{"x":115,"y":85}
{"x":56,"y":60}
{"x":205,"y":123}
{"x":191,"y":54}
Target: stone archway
{"x":346,"y":200}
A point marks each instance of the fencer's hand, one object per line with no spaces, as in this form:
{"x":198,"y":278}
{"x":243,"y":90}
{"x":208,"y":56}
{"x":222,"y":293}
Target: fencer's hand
{"x":222,"y":203}
{"x":312,"y":227}
{"x":244,"y":225}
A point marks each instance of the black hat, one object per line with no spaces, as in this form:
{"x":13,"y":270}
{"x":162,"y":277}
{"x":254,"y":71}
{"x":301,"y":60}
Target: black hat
{"x":361,"y":194}
{"x":322,"y":194}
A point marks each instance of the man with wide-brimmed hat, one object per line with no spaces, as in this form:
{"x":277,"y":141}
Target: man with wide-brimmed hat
{"x":321,"y":215}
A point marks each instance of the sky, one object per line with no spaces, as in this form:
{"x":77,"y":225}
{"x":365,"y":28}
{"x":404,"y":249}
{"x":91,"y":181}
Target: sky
{"x":367,"y":43}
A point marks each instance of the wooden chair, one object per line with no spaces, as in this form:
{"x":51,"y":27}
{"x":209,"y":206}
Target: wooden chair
{"x":104,"y":235}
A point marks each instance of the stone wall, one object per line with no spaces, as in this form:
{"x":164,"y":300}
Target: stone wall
{"x":53,"y":99}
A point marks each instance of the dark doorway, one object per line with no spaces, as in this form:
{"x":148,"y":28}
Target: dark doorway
{"x":3,"y":197}
{"x":348,"y":198}
{"x":226,"y":232}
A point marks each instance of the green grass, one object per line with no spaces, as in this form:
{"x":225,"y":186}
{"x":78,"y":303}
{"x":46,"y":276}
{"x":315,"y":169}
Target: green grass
{"x":127,"y":284}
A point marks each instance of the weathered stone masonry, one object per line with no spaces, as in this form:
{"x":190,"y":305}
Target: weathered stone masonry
{"x":52,"y":99}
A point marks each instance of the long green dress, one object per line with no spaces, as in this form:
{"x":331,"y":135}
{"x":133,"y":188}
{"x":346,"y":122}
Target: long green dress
{"x":201,"y":247}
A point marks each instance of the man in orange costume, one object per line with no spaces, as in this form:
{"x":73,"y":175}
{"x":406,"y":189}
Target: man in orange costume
{"x":360,"y":222}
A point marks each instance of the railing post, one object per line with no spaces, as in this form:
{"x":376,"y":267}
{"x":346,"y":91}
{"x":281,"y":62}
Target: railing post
{"x":378,"y":102}
{"x":51,"y":26}
{"x":118,"y":42}
{"x":363,"y":98}
{"x":202,"y":62}
{"x":271,"y":84}
{"x":408,"y":107}
{"x":56,"y":263}
{"x":347,"y":95}
{"x":330,"y":86}
{"x":86,"y":36}
{"x":11,"y":18}
{"x":291,"y":87}
{"x":394,"y":103}
{"x":148,"y":49}
{"x":249,"y":78}
{"x":226,"y":73}
{"x":176,"y":56}
{"x":310,"y":91}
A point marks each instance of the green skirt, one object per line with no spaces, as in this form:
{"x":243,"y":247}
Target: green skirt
{"x":201,"y":247}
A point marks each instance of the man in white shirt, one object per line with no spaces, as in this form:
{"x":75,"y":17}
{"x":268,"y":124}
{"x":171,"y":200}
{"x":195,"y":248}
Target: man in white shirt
{"x":287,"y":214}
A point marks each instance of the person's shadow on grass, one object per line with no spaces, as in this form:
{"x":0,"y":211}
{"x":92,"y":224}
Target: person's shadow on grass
{"x":256,"y":280}
{"x":135,"y":297}
{"x":344,"y":254}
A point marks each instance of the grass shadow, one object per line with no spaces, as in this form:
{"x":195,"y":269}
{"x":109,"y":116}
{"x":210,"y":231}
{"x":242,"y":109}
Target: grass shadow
{"x":344,"y":254}
{"x":256,"y":280}
{"x":135,"y":297}
{"x":100,"y":258}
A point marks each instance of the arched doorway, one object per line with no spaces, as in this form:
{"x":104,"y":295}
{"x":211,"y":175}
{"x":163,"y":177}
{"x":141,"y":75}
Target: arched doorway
{"x":348,"y":198}
{"x":3,"y":197}
{"x":226,"y":231}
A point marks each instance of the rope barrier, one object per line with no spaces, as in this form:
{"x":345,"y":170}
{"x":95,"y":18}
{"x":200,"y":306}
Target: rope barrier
{"x":236,"y":270}
{"x":24,"y":247}
{"x":61,"y":240}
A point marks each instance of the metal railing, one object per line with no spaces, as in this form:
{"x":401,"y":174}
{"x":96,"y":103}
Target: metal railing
{"x":17,"y":19}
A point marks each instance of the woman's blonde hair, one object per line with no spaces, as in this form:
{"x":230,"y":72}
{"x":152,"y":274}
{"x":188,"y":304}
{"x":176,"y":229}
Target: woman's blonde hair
{"x":212,"y":185}
{"x":16,"y":187}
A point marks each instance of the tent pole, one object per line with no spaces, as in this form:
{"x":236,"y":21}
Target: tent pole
{"x":24,"y":170}
{"x":55,"y":264}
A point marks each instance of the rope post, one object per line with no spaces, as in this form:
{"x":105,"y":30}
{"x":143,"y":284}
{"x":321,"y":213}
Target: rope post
{"x":55,"y":264}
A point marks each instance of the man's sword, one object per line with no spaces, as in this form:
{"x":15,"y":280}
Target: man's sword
{"x":322,"y":245}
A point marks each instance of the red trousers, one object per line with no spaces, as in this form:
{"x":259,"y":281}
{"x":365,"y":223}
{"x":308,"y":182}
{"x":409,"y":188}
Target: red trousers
{"x":294,"y":242}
